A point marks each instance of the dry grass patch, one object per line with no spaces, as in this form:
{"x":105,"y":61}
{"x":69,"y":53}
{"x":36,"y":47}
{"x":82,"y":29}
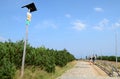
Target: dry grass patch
{"x":32,"y":72}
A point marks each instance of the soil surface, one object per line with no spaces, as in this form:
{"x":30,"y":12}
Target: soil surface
{"x":85,"y":70}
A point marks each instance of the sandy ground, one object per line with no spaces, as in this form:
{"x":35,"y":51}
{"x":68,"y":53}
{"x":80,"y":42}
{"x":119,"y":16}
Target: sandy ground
{"x":84,"y":70}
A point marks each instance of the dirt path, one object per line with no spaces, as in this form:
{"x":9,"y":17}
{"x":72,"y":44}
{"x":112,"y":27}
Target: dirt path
{"x":83,"y":70}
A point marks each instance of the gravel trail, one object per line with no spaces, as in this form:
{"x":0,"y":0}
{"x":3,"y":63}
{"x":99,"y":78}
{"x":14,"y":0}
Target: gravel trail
{"x":83,"y":70}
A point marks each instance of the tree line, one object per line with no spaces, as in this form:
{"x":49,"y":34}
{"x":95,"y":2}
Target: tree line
{"x":109,"y":58}
{"x":11,"y":58}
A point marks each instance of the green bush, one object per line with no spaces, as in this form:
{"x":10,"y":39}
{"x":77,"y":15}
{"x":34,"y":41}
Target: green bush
{"x":109,"y":58}
{"x":11,"y":56}
{"x":7,"y":70}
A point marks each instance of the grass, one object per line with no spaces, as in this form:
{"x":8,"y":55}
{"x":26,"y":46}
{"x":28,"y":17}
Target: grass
{"x":60,"y":71}
{"x":108,"y":66}
{"x":32,"y":72}
{"x":113,"y":63}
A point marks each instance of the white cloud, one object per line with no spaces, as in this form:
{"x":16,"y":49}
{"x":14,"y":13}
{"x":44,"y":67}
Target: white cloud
{"x":17,"y":18}
{"x":116,"y":25}
{"x":98,"y":28}
{"x":98,"y":9}
{"x":2,"y":39}
{"x":101,"y":25}
{"x":49,"y":24}
{"x":68,"y":15}
{"x":106,"y":25}
{"x":46,"y":24}
{"x":78,"y":25}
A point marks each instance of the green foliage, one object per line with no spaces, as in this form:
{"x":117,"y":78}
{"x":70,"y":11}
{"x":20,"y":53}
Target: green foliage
{"x":11,"y":58}
{"x":7,"y":70}
{"x":118,"y":59}
{"x":109,"y":58}
{"x":63,"y":57}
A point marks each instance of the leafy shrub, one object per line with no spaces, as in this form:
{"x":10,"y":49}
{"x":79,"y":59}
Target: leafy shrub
{"x":109,"y":58}
{"x":7,"y":70}
{"x":11,"y":54}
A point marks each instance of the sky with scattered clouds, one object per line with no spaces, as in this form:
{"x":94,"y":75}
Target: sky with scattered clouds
{"x":83,"y":27}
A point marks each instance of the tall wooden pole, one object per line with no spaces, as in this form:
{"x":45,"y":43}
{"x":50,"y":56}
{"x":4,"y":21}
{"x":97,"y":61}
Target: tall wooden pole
{"x":31,"y":8}
{"x":116,"y":50}
{"x":25,"y":43}
{"x":24,"y":52}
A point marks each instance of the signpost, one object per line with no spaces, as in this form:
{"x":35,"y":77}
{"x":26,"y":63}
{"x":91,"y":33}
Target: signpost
{"x":31,"y":7}
{"x":116,"y":50}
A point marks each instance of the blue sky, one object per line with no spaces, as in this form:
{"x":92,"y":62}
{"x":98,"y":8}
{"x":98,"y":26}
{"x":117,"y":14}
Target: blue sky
{"x":83,"y":27}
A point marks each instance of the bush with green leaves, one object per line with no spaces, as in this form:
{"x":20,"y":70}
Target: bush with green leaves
{"x":7,"y":70}
{"x":11,"y":58}
{"x":109,"y":58}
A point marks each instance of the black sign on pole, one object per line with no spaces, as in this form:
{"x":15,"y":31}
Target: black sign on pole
{"x":31,"y":7}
